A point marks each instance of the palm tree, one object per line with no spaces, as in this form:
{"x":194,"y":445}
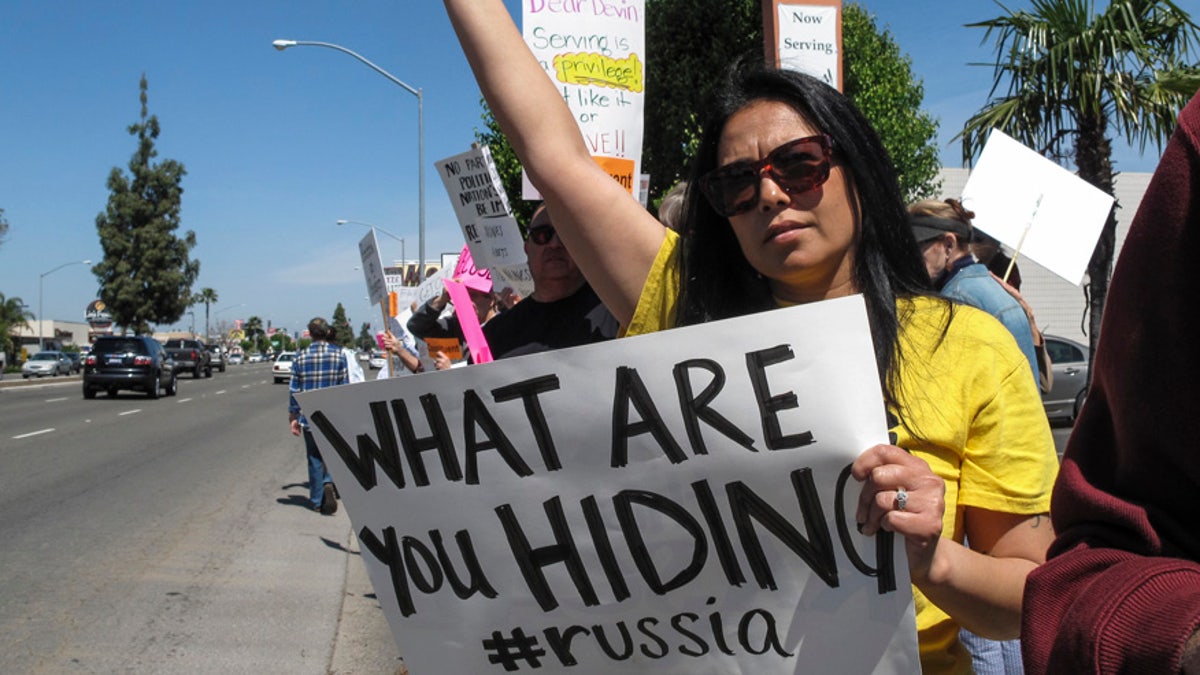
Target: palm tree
{"x":209,"y":297}
{"x":252,"y":328}
{"x":13,"y":315}
{"x":1075,"y":76}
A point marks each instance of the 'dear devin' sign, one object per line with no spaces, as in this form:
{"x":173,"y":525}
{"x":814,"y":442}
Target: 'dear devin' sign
{"x":670,"y":503}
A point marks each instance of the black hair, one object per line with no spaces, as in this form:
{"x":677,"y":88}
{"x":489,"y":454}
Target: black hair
{"x":887,"y":262}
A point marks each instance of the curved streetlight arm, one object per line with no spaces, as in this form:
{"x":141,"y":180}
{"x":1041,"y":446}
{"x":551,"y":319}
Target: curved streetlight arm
{"x":41,"y":318}
{"x":342,"y":221}
{"x":284,"y":44}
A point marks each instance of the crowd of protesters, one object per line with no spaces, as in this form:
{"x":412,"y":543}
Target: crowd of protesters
{"x":792,"y":200}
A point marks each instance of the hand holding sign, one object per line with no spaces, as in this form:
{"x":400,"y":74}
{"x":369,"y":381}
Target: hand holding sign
{"x":564,"y":511}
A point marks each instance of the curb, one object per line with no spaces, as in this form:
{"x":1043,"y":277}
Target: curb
{"x":364,"y":642}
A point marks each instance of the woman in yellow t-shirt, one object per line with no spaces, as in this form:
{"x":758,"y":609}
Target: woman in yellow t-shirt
{"x":793,"y":200}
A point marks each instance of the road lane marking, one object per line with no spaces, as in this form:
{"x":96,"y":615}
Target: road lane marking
{"x":56,"y":400}
{"x":129,"y":412}
{"x":183,"y":400}
{"x":33,"y":433}
{"x":222,"y":391}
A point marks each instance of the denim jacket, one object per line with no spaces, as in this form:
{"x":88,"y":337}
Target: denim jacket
{"x":971,"y":283}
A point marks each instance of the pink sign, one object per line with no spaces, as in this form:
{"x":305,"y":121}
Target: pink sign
{"x":473,"y":277}
{"x":464,"y":309}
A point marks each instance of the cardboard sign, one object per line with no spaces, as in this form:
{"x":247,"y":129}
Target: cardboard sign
{"x":808,"y":37}
{"x":431,"y":287}
{"x":595,"y":52}
{"x":482,"y":207}
{"x":515,"y":277}
{"x":469,"y":274}
{"x":372,"y":266}
{"x":464,"y":310}
{"x":1036,"y":207}
{"x":668,"y":503}
{"x":448,"y":346}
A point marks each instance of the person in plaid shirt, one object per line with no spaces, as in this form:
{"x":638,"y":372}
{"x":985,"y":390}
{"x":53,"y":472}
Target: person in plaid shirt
{"x":319,"y":365}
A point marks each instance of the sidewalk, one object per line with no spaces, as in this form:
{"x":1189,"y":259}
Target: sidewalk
{"x":364,"y":642}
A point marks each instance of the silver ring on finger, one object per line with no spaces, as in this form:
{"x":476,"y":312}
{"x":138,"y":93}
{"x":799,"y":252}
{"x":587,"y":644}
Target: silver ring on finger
{"x":901,"y":499}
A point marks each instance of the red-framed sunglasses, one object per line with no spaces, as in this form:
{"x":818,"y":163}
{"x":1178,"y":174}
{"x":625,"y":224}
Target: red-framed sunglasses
{"x":796,"y":167}
{"x":542,"y":234}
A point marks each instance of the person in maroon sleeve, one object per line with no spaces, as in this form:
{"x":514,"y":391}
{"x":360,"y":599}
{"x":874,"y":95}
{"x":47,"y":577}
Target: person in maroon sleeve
{"x":1121,"y":590}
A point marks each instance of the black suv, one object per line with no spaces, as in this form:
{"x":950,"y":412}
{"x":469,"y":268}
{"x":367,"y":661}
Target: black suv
{"x":128,"y":362}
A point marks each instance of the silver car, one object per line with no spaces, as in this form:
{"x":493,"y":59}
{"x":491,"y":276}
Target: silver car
{"x":1069,"y":361}
{"x":45,"y":363}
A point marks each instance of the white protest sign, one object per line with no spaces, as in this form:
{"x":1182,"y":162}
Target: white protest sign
{"x":1036,"y":207}
{"x":501,"y":242}
{"x":405,"y":296}
{"x":432,"y":287}
{"x":372,"y":265}
{"x":482,"y":208}
{"x":595,"y":52}
{"x":809,"y":40}
{"x":516,"y":277}
{"x":670,"y":503}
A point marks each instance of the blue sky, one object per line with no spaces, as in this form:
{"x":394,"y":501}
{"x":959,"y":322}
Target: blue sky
{"x":280,"y":145}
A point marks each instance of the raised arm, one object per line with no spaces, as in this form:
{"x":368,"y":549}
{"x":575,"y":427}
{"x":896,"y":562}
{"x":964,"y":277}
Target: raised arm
{"x":611,"y":237}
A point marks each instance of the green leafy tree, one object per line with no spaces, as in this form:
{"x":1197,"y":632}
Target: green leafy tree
{"x":13,"y":315}
{"x":690,"y":43}
{"x":146,"y":276}
{"x":209,"y":297}
{"x":507,"y":166}
{"x":880,"y":81}
{"x":1074,"y":76}
{"x":342,"y":331}
{"x":366,"y":339}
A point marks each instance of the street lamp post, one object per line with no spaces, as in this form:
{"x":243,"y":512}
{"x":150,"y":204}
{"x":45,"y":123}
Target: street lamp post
{"x":284,"y":44}
{"x":403,"y":255}
{"x":41,"y":317}
{"x":192,"y":328}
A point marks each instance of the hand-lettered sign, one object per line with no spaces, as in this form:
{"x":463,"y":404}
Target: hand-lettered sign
{"x":670,"y":503}
{"x":595,"y":52}
{"x":482,"y":208}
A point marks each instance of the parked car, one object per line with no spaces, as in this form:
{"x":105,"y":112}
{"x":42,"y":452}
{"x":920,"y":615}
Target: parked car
{"x":138,"y":362}
{"x":216,"y":357}
{"x":47,"y":362}
{"x":1070,"y":368}
{"x":76,"y":361}
{"x":281,"y":369}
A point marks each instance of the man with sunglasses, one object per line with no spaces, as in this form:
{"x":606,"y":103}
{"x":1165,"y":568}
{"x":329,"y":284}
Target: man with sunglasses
{"x":563,"y":310}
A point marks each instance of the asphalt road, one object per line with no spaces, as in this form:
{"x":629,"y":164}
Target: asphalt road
{"x":173,"y":536}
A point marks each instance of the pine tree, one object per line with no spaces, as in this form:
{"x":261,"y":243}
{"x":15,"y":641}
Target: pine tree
{"x":146,"y":276}
{"x":366,"y":339}
{"x":343,"y":333}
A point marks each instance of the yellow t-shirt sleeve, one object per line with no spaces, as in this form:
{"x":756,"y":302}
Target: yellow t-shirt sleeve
{"x":656,"y":305}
